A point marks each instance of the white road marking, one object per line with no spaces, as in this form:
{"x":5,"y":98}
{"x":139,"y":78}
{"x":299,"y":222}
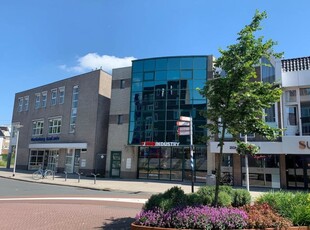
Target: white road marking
{"x":125,"y":200}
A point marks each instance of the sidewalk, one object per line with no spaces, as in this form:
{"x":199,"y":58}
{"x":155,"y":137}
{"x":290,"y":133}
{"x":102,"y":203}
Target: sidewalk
{"x":108,"y":184}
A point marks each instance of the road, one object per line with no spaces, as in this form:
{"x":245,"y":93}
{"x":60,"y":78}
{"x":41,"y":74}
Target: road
{"x":36,"y":206}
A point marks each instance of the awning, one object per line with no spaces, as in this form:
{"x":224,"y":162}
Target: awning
{"x":58,"y":146}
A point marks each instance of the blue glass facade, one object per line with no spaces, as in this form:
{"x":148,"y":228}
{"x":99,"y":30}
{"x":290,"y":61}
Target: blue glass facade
{"x":163,"y":89}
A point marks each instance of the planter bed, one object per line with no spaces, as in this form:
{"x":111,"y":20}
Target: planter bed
{"x":140,"y":227}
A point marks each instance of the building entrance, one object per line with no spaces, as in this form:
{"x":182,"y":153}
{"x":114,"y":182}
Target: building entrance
{"x":298,"y":171}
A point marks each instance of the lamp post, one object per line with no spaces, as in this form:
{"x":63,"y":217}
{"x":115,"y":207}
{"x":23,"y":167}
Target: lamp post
{"x":16,"y":148}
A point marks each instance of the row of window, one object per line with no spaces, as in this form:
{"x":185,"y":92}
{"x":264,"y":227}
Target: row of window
{"x":54,"y":126}
{"x":57,"y":96}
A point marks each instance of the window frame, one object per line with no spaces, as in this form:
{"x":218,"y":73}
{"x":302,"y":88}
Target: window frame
{"x":120,"y":119}
{"x":26,"y":103}
{"x":44,"y":99}
{"x":53,"y":97}
{"x":37,"y":127}
{"x":55,"y":127}
{"x":61,"y":97}
{"x":20,"y":104}
{"x":37,"y":103}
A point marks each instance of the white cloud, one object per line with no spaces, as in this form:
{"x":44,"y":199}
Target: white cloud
{"x":92,"y":61}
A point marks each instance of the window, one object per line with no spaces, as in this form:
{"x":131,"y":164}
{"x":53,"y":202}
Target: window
{"x":54,"y":97}
{"x":291,"y":96}
{"x":54,"y":125}
{"x":61,"y":95}
{"x":270,"y":114}
{"x":74,"y":105}
{"x":26,"y":103}
{"x":120,"y":119}
{"x":122,"y":84}
{"x":44,"y":99}
{"x":37,"y":127}
{"x":37,"y":103}
{"x":20,"y":104}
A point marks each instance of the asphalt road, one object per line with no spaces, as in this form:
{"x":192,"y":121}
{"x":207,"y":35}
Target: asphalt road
{"x":34,"y":206}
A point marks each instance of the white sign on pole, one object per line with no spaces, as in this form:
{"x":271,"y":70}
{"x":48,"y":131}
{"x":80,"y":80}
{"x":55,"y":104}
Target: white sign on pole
{"x":182,"y":131}
{"x":182,"y":118}
{"x":183,"y":123}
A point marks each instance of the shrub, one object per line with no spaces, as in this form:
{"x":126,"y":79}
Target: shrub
{"x":225,"y":195}
{"x":240,"y":197}
{"x":193,"y":199}
{"x":207,"y":194}
{"x":295,"y":206}
{"x":263,"y":216}
{"x":224,"y":199}
{"x":202,"y":217}
{"x":173,"y":197}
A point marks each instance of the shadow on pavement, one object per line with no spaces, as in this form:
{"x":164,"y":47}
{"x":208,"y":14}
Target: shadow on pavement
{"x":118,"y":224}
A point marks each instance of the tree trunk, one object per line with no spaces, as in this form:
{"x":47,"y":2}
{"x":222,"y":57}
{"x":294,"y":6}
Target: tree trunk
{"x":219,"y":164}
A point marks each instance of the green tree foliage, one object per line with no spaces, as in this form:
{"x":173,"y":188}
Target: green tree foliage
{"x":236,"y":101}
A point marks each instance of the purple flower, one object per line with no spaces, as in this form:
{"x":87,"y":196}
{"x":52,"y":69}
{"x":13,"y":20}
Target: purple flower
{"x":200,"y":217}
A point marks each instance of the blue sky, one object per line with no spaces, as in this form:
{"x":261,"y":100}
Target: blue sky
{"x":43,"y":41}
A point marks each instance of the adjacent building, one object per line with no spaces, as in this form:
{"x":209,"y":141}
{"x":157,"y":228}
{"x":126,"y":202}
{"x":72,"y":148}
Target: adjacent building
{"x":4,"y":140}
{"x":63,"y":126}
{"x":284,"y":163}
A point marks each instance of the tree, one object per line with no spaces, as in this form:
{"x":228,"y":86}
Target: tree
{"x":236,"y":101}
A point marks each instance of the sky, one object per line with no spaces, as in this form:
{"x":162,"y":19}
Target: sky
{"x":42,"y":41}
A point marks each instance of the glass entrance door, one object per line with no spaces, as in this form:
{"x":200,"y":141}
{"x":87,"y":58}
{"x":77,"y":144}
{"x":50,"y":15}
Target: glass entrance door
{"x":52,"y":159}
{"x":116,"y":164}
{"x":69,"y":161}
{"x":298,"y":171}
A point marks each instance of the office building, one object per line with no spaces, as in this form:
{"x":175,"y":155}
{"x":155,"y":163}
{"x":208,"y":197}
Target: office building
{"x":64,"y":124}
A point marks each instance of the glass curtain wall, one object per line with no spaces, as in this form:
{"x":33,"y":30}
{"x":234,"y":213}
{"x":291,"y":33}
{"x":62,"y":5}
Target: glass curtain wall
{"x":163,"y":89}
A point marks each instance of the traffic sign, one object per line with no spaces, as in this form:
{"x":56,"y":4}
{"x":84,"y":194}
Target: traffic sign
{"x":182,"y":118}
{"x":183,"y":123}
{"x":182,"y":131}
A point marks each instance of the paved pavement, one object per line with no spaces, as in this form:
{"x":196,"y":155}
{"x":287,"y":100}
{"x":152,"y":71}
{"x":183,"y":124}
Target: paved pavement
{"x":108,"y":184}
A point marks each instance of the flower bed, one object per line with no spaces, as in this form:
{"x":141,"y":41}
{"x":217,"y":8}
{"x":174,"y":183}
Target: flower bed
{"x":200,"y":217}
{"x":174,"y":209}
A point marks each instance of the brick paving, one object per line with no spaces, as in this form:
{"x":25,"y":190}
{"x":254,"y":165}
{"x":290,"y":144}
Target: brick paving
{"x":69,"y":216}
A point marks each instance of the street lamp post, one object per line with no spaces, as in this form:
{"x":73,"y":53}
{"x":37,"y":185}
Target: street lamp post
{"x":16,"y":148}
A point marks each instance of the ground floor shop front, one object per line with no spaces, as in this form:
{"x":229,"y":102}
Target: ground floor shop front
{"x":64,"y":157}
{"x":271,"y":168}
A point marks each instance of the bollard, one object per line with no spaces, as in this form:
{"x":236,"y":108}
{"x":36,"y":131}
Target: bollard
{"x":53,"y":174}
{"x":95,"y":177}
{"x":79,"y":174}
{"x":65,"y":175}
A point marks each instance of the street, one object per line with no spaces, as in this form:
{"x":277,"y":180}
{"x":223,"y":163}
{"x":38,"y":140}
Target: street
{"x":27,"y":205}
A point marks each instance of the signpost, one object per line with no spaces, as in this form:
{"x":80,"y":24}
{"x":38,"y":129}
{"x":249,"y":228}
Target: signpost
{"x":185,"y":128}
